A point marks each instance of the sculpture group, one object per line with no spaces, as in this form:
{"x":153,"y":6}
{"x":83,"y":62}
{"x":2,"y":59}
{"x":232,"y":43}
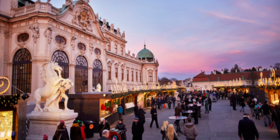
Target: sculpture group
{"x":54,"y":90}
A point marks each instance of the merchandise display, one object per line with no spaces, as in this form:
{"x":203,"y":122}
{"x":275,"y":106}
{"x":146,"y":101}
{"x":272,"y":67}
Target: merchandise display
{"x":6,"y":125}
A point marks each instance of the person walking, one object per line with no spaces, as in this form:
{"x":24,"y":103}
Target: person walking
{"x":164,"y":129}
{"x":103,"y":124}
{"x":141,"y":114}
{"x":171,"y":134}
{"x":256,"y":109}
{"x":137,"y":129}
{"x":159,"y":103}
{"x":169,"y":103}
{"x":75,"y":131}
{"x":61,"y":132}
{"x":252,"y":106}
{"x":276,"y":118}
{"x":184,"y":108}
{"x":173,"y":101}
{"x":120,"y":126}
{"x":195,"y":109}
{"x":154,"y":116}
{"x":209,"y":103}
{"x":136,"y":110}
{"x":206,"y":107}
{"x":190,"y":130}
{"x":120,"y":111}
{"x":105,"y":135}
{"x":242,"y":103}
{"x":266,"y":113}
{"x":233,"y":101}
{"x":247,"y":128}
{"x":178,"y":111}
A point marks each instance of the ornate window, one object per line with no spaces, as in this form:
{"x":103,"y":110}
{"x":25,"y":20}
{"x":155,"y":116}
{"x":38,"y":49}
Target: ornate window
{"x":109,"y":73}
{"x":121,"y":50}
{"x":81,"y":75}
{"x":132,"y":76}
{"x":127,"y":75}
{"x":150,"y":77}
{"x":22,"y":70}
{"x":116,"y":49}
{"x":140,"y":77}
{"x":109,"y":47}
{"x":81,"y":46}
{"x":122,"y":74}
{"x":61,"y":58}
{"x":97,"y":74}
{"x":136,"y":76}
{"x":60,"y":40}
{"x":97,"y":51}
{"x":156,"y":76}
{"x":23,"y":37}
{"x":116,"y":71}
{"x":218,"y":78}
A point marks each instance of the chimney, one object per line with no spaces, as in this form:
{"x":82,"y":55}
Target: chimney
{"x":260,"y":68}
{"x":235,"y":70}
{"x":222,"y":71}
{"x":271,"y":67}
{"x":215,"y":72}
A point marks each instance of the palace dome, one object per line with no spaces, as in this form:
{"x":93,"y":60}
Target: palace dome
{"x":145,"y":53}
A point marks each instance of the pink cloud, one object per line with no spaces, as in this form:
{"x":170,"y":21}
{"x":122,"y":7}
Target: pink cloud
{"x":234,"y":52}
{"x":223,"y":16}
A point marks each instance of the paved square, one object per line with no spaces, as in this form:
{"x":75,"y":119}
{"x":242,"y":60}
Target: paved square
{"x":220,"y":124}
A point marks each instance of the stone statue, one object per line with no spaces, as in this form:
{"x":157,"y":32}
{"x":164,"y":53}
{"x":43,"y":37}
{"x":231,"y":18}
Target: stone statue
{"x":54,"y":89}
{"x":98,"y":88}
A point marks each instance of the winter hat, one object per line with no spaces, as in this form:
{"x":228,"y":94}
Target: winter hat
{"x":45,"y":137}
{"x":62,"y":122}
{"x":136,"y":118}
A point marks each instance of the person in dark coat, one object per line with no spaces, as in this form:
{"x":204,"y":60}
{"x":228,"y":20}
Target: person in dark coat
{"x":209,"y":103}
{"x":141,"y":115}
{"x":103,"y":125}
{"x":173,"y":101}
{"x":233,"y":101}
{"x":276,"y":118}
{"x":242,"y":103}
{"x":266,"y":113}
{"x":105,"y":135}
{"x":137,"y":129}
{"x":184,"y":108}
{"x":136,"y":110}
{"x":61,"y":132}
{"x":154,"y":116}
{"x":247,"y":128}
{"x":120,"y":126}
{"x":252,"y":106}
{"x":169,"y":103}
{"x":195,"y":114}
{"x":159,"y":103}
{"x":75,"y":131}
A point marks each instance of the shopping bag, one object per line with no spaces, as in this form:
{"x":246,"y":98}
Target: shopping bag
{"x":164,"y":106}
{"x":271,"y":126}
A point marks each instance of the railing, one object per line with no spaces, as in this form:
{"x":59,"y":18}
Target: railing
{"x":36,"y":7}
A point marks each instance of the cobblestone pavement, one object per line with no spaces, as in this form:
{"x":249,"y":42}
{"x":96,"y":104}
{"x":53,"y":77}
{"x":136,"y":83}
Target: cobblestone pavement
{"x":220,"y":124}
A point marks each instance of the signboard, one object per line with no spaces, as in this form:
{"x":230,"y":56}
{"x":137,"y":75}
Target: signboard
{"x":129,"y":105}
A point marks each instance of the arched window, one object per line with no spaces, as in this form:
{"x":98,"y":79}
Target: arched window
{"x":61,"y":58}
{"x":109,"y":73}
{"x":109,"y":47}
{"x":122,"y":74}
{"x":121,"y":50}
{"x":132,"y":76}
{"x":150,"y":77}
{"x":136,"y":76}
{"x":116,"y":71}
{"x":127,"y":75}
{"x":60,"y":40}
{"x":81,"y":75}
{"x":22,"y":70}
{"x":97,"y":74}
{"x":81,"y":46}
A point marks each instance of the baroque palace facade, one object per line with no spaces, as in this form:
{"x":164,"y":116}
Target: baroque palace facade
{"x":90,"y":51}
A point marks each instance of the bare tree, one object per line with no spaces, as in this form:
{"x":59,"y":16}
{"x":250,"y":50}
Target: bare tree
{"x":252,"y":78}
{"x":173,"y":79}
{"x":277,"y":66}
{"x":163,"y":80}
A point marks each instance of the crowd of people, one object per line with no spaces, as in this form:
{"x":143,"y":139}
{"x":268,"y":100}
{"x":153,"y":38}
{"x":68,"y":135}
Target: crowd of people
{"x":191,"y":101}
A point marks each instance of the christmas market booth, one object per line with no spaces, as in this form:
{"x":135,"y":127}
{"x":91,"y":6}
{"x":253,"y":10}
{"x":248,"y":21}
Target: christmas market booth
{"x":12,"y":122}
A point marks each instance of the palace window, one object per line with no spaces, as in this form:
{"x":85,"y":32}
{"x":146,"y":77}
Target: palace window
{"x":122,"y":74}
{"x":23,"y":37}
{"x":132,"y":76}
{"x":97,"y":74}
{"x":127,"y":75}
{"x":116,"y":49}
{"x":81,"y":46}
{"x":140,"y":77}
{"x":109,"y":47}
{"x":61,"y":58}
{"x":150,"y":77}
{"x":136,"y":76}
{"x":97,"y":51}
{"x":121,"y":50}
{"x":22,"y":71}
{"x":218,"y":79}
{"x":109,"y":73}
{"x":60,"y":40}
{"x":81,"y":75}
{"x":116,"y":73}
{"x":242,"y":77}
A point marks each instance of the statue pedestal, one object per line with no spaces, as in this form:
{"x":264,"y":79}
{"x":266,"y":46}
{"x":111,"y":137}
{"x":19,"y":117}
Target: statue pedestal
{"x":42,"y":123}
